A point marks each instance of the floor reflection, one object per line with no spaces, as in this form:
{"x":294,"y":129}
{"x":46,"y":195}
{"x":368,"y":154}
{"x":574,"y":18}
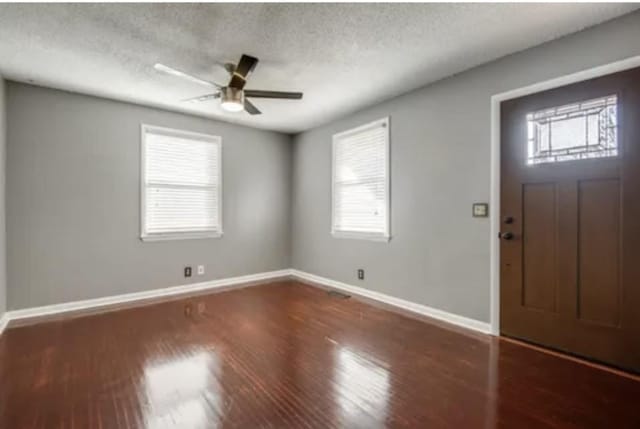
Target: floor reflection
{"x":361,"y":387}
{"x":493,"y":380}
{"x":183,"y":393}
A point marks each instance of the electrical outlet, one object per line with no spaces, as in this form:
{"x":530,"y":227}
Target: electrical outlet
{"x":187,"y":271}
{"x":200,"y":270}
{"x":360,"y":274}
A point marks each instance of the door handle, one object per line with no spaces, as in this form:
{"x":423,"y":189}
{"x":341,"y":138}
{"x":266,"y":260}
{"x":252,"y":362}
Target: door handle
{"x":506,"y":236}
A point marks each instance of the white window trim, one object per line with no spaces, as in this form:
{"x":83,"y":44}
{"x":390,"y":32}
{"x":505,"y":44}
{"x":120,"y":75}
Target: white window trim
{"x":371,"y":236}
{"x":144,"y":236}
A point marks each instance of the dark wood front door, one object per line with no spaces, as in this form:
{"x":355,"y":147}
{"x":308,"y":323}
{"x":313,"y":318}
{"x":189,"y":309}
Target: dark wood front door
{"x":570,"y":219}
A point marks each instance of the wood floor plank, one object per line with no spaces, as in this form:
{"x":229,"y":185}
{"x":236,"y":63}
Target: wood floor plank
{"x":288,"y":355}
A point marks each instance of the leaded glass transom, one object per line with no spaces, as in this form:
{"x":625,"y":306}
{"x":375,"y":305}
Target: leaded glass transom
{"x":583,"y":130}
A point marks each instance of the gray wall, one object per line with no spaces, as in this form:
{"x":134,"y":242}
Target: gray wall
{"x":73,"y":200}
{"x":72,"y":190}
{"x":440,"y":145}
{"x":3,"y":249}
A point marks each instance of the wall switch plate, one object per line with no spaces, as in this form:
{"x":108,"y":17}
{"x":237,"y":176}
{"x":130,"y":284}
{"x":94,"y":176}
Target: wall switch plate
{"x":187,"y":271}
{"x":480,"y":210}
{"x":200,"y":270}
{"x":360,"y":274}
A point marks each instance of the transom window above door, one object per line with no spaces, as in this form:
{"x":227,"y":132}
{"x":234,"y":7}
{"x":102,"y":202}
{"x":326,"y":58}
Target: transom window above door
{"x":583,"y":130}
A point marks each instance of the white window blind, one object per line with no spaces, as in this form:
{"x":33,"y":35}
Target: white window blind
{"x":361,"y":182}
{"x":181,"y":184}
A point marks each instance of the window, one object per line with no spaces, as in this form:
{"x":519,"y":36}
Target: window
{"x":361,"y":182}
{"x":181,"y":184}
{"x":576,"y":131}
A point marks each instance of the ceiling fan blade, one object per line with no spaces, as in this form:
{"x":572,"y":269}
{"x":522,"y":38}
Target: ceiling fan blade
{"x":174,"y":72}
{"x":202,"y":98}
{"x":250,"y":108}
{"x":256,"y":93}
{"x":245,"y":66}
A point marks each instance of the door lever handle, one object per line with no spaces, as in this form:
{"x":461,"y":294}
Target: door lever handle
{"x":506,"y":236}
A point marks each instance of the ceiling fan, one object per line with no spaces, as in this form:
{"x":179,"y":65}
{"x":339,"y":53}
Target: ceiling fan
{"x":233,"y":96}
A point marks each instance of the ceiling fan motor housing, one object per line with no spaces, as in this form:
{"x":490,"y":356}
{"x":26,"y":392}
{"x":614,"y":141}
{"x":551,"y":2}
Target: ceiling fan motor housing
{"x":232,"y":99}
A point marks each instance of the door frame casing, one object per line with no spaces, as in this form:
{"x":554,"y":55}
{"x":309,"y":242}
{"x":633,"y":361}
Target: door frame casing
{"x":494,"y":275}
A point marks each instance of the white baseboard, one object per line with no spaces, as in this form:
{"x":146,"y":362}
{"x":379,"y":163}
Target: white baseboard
{"x":4,"y":322}
{"x":33,"y":315}
{"x":91,"y":306}
{"x":413,"y":307}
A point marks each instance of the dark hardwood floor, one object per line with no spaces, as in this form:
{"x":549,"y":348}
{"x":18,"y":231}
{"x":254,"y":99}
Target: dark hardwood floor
{"x":287,"y":355}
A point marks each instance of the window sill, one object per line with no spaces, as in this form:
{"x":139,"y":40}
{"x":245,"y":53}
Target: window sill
{"x":361,"y":236}
{"x":181,"y":236}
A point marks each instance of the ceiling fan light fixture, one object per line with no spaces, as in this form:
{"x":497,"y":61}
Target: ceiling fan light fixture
{"x":232,"y":99}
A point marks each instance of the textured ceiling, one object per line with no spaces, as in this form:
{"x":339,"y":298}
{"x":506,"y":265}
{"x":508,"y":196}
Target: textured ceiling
{"x":343,"y":56}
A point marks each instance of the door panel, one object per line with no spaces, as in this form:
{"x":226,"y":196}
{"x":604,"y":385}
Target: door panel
{"x":539,"y":284}
{"x":599,"y":251}
{"x":570,"y":203}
